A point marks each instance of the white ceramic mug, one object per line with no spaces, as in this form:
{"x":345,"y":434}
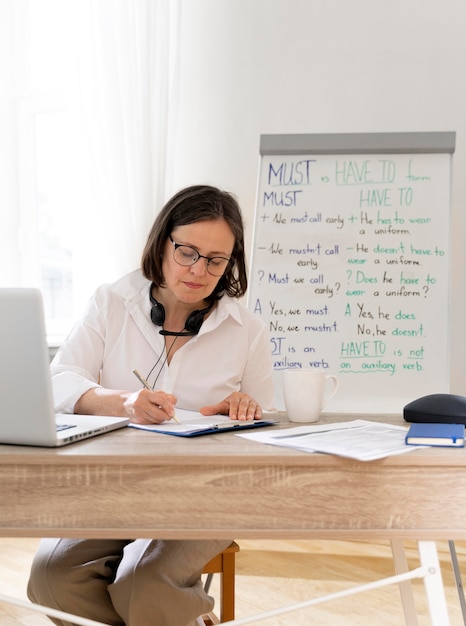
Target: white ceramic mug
{"x":306,"y":392}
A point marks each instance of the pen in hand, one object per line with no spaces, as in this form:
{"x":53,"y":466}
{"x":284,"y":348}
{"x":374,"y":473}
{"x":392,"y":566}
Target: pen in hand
{"x":147,"y":386}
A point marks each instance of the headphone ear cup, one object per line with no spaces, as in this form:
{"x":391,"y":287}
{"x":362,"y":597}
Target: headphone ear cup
{"x":194,"y":322}
{"x":157,"y":312}
{"x":196,"y":319}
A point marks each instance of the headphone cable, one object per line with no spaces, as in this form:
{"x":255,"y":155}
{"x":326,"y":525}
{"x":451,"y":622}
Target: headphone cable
{"x":163,"y":364}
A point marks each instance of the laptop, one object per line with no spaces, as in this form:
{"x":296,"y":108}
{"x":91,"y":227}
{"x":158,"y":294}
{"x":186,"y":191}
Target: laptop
{"x":26,"y":402}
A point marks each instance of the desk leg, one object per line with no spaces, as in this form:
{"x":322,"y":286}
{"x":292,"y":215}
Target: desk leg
{"x":433,"y":584}
{"x":406,"y":591}
{"x":459,"y":582}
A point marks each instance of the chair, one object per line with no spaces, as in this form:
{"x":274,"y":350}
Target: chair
{"x":223,"y":564}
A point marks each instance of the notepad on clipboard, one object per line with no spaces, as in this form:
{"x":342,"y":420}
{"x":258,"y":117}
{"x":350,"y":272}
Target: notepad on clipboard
{"x":431,"y":434}
{"x":193,"y":424}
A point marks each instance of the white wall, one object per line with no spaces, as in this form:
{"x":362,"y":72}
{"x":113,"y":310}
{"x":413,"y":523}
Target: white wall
{"x":252,"y":67}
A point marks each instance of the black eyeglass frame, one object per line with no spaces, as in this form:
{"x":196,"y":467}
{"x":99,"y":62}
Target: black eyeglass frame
{"x":197,"y":256}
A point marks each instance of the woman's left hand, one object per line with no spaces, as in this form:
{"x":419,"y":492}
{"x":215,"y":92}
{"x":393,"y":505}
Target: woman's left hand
{"x":238,"y":406}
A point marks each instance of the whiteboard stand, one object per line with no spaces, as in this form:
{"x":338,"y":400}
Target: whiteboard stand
{"x":459,"y":582}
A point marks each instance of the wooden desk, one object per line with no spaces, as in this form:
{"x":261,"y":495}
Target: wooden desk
{"x":132,"y":483}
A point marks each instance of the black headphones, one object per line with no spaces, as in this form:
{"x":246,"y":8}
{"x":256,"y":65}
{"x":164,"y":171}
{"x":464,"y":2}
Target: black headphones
{"x":192,"y":326}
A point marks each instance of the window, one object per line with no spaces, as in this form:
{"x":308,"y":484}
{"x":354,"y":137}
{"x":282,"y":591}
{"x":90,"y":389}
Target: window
{"x":87,"y":111}
{"x":48,"y":163}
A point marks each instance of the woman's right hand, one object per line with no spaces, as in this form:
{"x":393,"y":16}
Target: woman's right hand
{"x":149,"y":407}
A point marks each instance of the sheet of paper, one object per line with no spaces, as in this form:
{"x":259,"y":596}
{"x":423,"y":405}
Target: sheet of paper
{"x":190,"y":421}
{"x":359,"y":439}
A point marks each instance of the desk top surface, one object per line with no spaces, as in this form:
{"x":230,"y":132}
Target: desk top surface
{"x":131,"y":446}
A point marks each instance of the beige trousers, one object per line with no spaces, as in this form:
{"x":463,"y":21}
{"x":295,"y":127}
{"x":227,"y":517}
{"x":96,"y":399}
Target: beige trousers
{"x":124,"y":583}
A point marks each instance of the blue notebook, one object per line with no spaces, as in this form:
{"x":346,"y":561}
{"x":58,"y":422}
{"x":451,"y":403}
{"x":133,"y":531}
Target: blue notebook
{"x":429,"y":434}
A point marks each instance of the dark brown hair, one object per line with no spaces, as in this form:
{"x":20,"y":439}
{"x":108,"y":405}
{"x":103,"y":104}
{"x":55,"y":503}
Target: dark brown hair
{"x":195,"y":204}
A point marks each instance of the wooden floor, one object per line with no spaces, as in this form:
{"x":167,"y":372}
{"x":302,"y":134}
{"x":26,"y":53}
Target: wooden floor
{"x":271,"y":574}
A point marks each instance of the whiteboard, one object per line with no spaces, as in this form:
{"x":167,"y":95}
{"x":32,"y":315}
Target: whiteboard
{"x":350,"y":264}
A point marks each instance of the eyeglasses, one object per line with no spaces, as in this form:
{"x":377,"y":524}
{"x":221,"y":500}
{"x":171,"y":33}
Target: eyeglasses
{"x":186,"y":255}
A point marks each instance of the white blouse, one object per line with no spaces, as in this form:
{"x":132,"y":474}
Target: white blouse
{"x":116,"y":335}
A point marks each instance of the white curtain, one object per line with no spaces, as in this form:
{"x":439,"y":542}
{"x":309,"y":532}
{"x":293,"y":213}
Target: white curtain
{"x":126,"y":93}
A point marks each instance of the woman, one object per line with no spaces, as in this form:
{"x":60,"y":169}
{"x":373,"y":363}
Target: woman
{"x":179,"y":323}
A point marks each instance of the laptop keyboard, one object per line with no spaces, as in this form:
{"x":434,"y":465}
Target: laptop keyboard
{"x":64,"y":427}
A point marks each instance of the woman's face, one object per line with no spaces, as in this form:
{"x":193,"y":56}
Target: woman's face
{"x":193,"y":283}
